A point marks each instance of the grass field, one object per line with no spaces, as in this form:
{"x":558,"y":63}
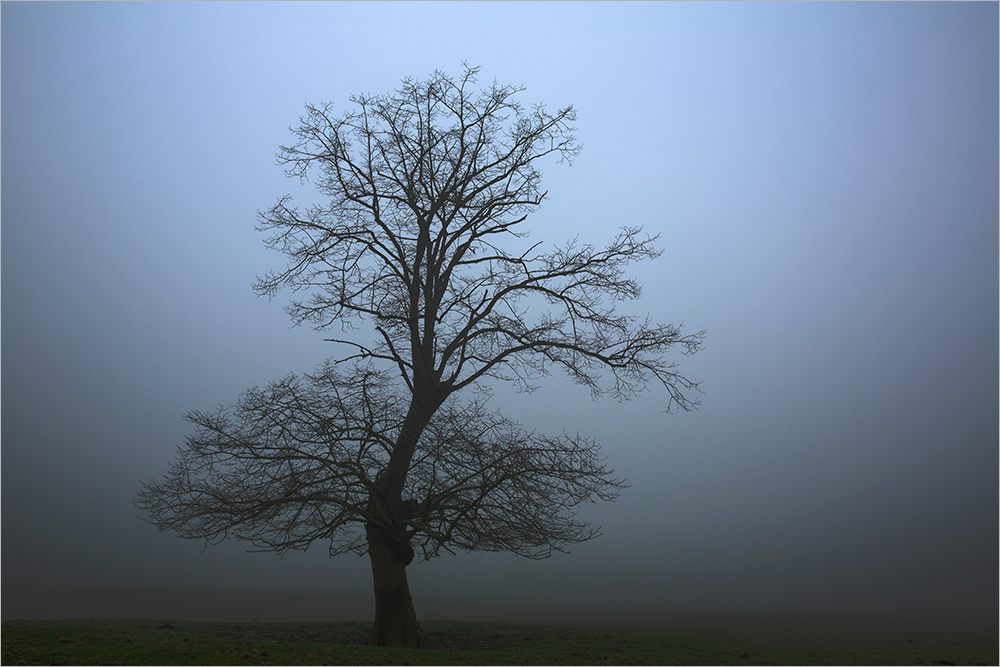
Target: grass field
{"x":136,"y":642}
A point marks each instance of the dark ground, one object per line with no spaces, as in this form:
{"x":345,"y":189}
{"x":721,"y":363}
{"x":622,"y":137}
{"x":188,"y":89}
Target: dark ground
{"x":41,"y":604}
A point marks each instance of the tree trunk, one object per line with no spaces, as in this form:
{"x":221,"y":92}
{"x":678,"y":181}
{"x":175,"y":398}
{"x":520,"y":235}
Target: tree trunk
{"x":395,"y":620}
{"x":388,"y":541}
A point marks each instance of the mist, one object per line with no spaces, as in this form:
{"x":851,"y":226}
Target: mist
{"x":824,"y":178}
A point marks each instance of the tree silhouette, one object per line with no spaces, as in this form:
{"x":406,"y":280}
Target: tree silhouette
{"x":420,"y":240}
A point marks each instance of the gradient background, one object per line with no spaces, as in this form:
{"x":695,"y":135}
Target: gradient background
{"x":825,"y":178}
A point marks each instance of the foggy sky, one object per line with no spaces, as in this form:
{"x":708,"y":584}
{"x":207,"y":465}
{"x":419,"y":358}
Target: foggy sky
{"x":825,"y":180}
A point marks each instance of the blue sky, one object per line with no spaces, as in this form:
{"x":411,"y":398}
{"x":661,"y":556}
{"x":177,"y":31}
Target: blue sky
{"x":825,"y":180}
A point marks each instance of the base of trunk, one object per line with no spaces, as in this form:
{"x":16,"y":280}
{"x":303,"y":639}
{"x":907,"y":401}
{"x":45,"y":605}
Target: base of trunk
{"x":395,"y":620}
{"x":399,"y":630}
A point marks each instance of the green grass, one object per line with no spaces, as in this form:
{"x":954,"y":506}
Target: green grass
{"x":101,"y":642}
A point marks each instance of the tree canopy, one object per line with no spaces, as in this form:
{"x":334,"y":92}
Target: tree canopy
{"x":427,"y":189}
{"x":297,"y":462}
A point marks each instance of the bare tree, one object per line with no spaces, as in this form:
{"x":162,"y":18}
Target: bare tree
{"x":421,"y":238}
